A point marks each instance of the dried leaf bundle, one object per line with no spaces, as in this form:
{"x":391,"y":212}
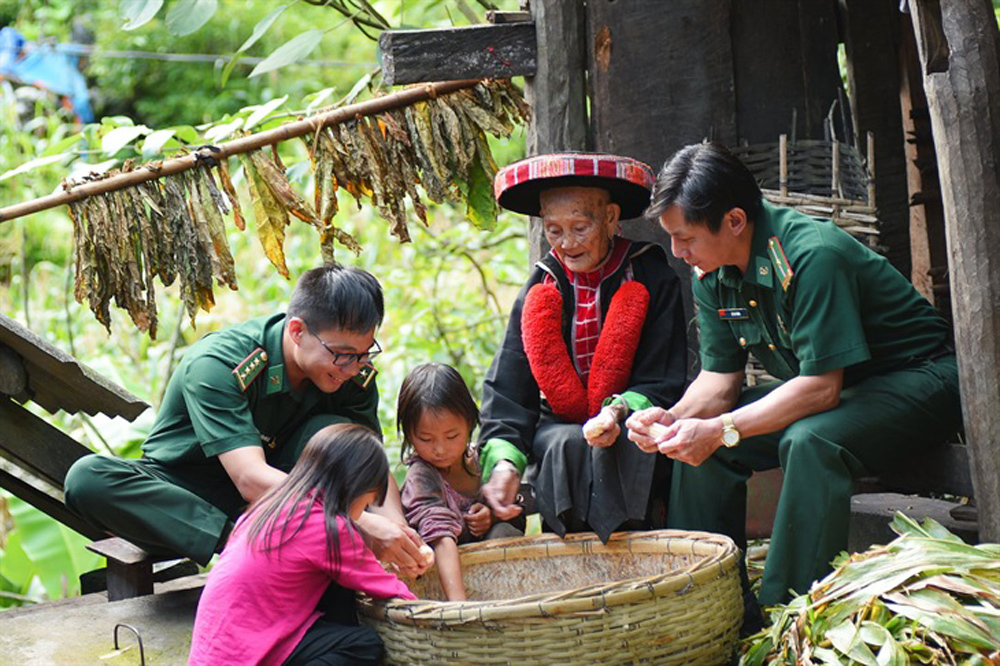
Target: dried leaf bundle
{"x":174,"y":227}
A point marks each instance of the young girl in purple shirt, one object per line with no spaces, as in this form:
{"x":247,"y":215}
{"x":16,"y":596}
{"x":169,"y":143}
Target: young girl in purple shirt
{"x":441,"y":497}
{"x":295,"y":544}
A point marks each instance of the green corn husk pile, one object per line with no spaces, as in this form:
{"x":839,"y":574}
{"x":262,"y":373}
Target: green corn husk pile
{"x":926,"y":598}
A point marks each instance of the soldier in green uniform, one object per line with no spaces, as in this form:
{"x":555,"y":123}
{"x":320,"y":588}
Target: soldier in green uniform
{"x":867,"y":375}
{"x":236,"y":414}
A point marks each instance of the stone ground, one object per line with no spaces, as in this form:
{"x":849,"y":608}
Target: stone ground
{"x":81,"y":630}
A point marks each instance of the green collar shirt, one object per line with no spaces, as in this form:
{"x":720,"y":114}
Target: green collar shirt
{"x":813,"y":300}
{"x":231,"y":390}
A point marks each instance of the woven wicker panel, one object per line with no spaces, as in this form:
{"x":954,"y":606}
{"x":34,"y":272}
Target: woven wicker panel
{"x":663,"y":597}
{"x":810,"y":168}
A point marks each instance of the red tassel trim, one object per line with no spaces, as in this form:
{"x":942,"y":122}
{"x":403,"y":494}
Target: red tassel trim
{"x":550,"y":362}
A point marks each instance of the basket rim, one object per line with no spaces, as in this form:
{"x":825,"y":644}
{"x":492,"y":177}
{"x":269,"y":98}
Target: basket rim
{"x":717,"y":555}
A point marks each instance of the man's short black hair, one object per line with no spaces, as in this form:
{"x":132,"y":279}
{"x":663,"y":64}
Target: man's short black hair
{"x":706,"y":181}
{"x":334,"y":296}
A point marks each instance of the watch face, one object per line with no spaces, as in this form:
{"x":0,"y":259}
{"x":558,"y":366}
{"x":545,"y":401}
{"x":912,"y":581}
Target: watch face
{"x":730,"y":437}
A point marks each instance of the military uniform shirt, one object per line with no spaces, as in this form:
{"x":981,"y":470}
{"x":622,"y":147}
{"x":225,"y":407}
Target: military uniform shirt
{"x":231,"y":390}
{"x":813,"y":299}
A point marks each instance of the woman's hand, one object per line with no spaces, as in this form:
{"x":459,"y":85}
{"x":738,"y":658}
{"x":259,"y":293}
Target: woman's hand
{"x":602,"y":430}
{"x":479,"y":519}
{"x":647,"y":427}
{"x":501,"y":490}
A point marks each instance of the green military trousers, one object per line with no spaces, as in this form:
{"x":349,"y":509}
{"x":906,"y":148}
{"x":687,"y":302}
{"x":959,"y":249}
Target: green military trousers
{"x":879,"y":420}
{"x":181,"y":510}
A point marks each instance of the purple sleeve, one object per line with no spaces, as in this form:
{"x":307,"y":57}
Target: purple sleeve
{"x":425,"y":504}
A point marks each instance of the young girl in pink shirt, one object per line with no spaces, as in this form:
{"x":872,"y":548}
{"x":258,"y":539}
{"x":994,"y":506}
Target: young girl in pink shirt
{"x":259,"y":605}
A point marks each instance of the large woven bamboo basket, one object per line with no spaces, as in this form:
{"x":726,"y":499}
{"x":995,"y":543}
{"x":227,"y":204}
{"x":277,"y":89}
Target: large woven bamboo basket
{"x":659,"y":597}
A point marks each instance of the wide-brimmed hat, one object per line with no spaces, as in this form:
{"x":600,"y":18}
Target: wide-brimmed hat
{"x":517,"y":186}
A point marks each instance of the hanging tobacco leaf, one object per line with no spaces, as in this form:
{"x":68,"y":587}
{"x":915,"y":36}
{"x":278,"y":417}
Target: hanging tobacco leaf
{"x":234,"y":200}
{"x":271,"y":216}
{"x":211,"y":213}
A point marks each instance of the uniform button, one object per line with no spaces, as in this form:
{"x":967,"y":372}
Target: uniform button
{"x":753,"y":303}
{"x":743,"y":342}
{"x":771,"y":347}
{"x":272,"y":445}
{"x":263,"y":357}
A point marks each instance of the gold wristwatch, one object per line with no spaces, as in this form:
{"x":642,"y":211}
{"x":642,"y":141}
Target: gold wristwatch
{"x":730,"y":435}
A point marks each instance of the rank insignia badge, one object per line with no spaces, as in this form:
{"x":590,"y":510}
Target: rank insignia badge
{"x":365,"y":376}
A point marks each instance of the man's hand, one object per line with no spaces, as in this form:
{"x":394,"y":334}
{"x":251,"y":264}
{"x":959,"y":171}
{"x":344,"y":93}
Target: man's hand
{"x":602,"y":430}
{"x":691,"y":441}
{"x":394,"y":544}
{"x":479,"y":519}
{"x":501,"y":490}
{"x":647,"y":427}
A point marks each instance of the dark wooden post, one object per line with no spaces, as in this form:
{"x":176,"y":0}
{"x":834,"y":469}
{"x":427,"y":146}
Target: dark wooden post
{"x":557,"y":92}
{"x":661,"y":79}
{"x":959,"y":48}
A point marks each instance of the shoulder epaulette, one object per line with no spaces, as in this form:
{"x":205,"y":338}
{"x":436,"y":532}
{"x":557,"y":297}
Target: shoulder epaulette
{"x":250,"y":367}
{"x":365,"y":376}
{"x":780,"y":261}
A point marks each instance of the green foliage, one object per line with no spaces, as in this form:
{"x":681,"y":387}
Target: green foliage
{"x":42,"y":559}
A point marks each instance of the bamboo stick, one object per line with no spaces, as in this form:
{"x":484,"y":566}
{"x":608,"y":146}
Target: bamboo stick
{"x":245,"y":144}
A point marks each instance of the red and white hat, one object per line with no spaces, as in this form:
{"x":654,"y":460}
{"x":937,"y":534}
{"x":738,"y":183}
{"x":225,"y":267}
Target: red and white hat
{"x":517,"y":186}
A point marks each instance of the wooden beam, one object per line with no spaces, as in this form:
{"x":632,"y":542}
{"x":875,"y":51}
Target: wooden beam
{"x":468,"y":52}
{"x":497,"y":17}
{"x":557,"y":92}
{"x":13,"y":376}
{"x":959,"y":47}
{"x":31,"y":443}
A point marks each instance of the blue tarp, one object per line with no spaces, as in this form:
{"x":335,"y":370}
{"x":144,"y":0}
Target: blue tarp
{"x":45,"y":67}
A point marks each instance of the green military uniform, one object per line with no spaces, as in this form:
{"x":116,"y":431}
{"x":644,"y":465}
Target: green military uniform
{"x":230,"y":390}
{"x":814,"y":300}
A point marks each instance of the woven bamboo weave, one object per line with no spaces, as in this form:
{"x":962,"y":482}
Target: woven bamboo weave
{"x":659,"y":597}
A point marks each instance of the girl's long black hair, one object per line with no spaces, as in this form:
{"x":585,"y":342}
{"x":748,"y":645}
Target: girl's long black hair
{"x":339,"y":464}
{"x":432,"y":387}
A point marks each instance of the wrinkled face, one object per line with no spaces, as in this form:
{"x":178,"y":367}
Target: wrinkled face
{"x":440,"y":438}
{"x":359,"y":505}
{"x":694,"y":243}
{"x":318,"y":355}
{"x":579,"y":223}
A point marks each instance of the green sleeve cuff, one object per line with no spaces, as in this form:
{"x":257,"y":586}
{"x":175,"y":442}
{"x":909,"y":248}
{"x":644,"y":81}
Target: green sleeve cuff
{"x":635,"y":401}
{"x":496,"y":450}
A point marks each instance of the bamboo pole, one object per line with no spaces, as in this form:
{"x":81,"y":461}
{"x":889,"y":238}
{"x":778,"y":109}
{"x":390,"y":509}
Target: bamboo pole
{"x":245,"y":144}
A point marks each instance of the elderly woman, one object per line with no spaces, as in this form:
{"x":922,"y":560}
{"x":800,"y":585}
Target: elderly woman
{"x":597,"y":332}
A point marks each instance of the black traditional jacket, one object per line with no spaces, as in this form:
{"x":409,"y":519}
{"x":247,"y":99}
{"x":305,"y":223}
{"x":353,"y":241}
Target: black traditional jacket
{"x":512,"y":404}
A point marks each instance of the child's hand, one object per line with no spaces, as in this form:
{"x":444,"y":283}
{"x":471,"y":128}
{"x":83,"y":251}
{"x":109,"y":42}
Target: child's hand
{"x":479,"y":519}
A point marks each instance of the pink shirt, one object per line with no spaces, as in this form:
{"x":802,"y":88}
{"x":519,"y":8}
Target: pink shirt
{"x":256,"y":606}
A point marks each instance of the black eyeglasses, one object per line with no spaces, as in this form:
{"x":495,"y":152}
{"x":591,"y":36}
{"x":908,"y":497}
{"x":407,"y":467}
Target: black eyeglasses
{"x":344,"y":359}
